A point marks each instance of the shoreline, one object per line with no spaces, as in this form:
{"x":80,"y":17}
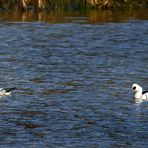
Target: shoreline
{"x":72,"y":5}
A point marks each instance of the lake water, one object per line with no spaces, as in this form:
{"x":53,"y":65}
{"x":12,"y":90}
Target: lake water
{"x":73,"y":77}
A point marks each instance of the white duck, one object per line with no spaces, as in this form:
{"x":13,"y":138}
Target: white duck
{"x":140,"y":95}
{"x":6,"y":91}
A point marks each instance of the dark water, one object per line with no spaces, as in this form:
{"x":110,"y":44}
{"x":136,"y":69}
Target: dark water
{"x":73,"y":84}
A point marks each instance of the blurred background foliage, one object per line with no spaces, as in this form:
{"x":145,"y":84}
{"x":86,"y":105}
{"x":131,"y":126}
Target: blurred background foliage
{"x":77,"y":4}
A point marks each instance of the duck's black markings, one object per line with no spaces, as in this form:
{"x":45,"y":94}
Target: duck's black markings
{"x":9,"y":89}
{"x":144,"y":92}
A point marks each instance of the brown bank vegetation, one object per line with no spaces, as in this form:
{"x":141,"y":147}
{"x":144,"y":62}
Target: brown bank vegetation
{"x":72,"y":4}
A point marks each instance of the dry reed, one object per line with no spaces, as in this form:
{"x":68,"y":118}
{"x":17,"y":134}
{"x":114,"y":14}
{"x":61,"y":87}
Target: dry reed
{"x":73,"y":4}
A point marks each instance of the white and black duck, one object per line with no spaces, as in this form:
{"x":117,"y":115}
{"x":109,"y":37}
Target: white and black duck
{"x":140,"y":95}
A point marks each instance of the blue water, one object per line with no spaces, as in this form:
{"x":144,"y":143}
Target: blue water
{"x":73,"y":84}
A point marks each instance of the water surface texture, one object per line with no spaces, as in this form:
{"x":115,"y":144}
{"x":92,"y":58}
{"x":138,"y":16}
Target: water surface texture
{"x":73,"y":84}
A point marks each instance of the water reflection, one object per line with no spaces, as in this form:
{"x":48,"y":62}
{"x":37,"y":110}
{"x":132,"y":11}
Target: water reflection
{"x":59,"y":16}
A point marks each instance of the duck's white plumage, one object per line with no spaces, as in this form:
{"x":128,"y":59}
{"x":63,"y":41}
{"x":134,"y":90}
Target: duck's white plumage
{"x":140,"y":95}
{"x":6,"y":91}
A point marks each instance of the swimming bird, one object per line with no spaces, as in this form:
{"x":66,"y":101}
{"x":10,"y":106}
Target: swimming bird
{"x":6,"y":91}
{"x":140,"y":95}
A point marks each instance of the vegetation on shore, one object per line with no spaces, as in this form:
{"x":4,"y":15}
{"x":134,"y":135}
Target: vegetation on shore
{"x":75,"y":4}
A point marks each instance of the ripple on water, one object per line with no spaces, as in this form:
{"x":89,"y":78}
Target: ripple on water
{"x":73,"y":84}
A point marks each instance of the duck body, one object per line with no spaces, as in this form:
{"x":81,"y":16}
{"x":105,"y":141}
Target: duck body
{"x":140,"y":95}
{"x":6,"y":91}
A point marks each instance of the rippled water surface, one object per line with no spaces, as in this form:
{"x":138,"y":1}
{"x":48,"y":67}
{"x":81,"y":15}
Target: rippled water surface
{"x":73,"y":84}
